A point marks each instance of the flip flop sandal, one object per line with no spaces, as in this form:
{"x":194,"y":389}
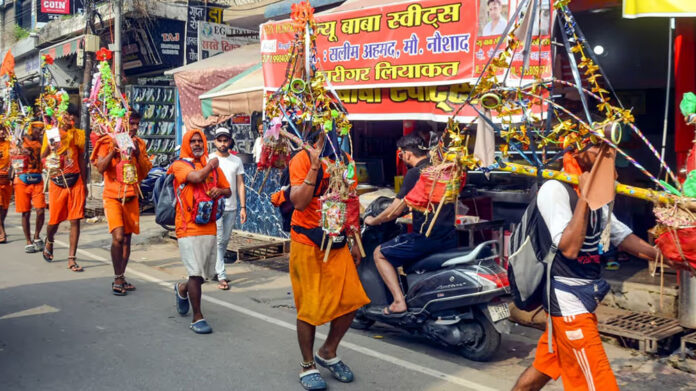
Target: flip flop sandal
{"x":118,"y":289}
{"x":223,"y":285}
{"x":338,"y":368}
{"x":75,"y":267}
{"x":312,"y":380}
{"x":388,"y":312}
{"x":30,"y":249}
{"x":48,"y":255}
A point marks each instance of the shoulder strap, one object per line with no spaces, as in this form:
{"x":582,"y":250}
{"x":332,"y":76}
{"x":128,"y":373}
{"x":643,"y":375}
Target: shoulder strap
{"x":573,"y":196}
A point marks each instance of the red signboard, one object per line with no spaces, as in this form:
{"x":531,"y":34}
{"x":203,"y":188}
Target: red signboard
{"x":423,"y":43}
{"x":55,"y":6}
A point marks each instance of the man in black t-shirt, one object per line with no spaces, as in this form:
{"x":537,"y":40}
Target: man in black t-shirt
{"x":408,"y":248}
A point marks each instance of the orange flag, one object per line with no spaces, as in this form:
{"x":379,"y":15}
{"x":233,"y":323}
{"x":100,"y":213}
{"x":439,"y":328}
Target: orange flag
{"x":8,"y":64}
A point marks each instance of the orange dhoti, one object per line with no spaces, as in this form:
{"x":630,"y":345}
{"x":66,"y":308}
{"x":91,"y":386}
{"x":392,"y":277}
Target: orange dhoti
{"x":66,"y":203}
{"x":5,"y":196}
{"x":28,"y":196}
{"x":578,"y":355}
{"x":324,"y":291}
{"x":120,"y":214}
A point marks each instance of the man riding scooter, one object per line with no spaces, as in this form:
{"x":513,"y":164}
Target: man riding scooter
{"x":409,"y":248}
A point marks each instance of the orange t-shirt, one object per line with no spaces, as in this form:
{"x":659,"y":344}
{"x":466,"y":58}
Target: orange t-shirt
{"x":112,"y":187}
{"x":5,"y":157}
{"x":185,"y":225}
{"x":311,"y":216}
{"x":72,"y":147}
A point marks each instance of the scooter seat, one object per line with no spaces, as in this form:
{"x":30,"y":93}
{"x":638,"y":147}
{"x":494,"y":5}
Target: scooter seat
{"x":457,"y":256}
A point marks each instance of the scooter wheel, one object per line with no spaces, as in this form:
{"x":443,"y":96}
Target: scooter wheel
{"x":486,"y":342}
{"x":361,"y":323}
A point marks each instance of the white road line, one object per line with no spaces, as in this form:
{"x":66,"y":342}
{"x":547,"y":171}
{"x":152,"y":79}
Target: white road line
{"x":281,"y":323}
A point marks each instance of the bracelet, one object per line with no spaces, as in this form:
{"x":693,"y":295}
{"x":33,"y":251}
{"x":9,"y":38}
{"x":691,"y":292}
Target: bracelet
{"x":306,"y":182}
{"x":242,"y":207}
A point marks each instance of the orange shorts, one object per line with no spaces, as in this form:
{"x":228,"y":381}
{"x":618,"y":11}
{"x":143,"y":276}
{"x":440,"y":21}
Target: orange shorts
{"x":5,"y":196}
{"x":66,"y":203}
{"x":123,"y":215}
{"x":27,"y":196}
{"x":578,"y":356}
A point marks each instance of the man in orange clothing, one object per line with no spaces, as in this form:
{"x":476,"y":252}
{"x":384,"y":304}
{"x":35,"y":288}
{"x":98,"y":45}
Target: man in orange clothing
{"x":324,"y":291}
{"x":5,"y":183}
{"x":200,"y":184}
{"x":29,"y":186}
{"x":64,"y":153}
{"x":120,"y":196}
{"x":578,"y":356}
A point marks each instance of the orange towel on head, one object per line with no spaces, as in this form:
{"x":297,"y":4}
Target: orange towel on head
{"x":324,"y":291}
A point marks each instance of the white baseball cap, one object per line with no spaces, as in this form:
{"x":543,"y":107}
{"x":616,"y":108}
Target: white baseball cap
{"x":222,"y":132}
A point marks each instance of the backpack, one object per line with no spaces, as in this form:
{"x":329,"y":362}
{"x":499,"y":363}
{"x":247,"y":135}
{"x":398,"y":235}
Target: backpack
{"x":531,"y":254}
{"x":284,"y":205}
{"x":167,"y":198}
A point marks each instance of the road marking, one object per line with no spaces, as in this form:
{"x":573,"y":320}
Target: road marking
{"x":40,"y":310}
{"x":281,"y":323}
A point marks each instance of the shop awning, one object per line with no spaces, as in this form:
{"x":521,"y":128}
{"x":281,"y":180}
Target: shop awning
{"x":283,"y":8}
{"x":64,"y":48}
{"x":242,"y":55}
{"x":242,"y":94}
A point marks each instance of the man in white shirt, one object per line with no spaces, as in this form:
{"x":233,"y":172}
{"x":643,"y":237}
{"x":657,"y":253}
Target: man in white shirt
{"x":497,"y":23}
{"x":233,"y":169}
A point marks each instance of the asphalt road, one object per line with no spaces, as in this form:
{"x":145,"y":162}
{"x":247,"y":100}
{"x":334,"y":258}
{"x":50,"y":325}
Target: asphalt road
{"x":61,"y":330}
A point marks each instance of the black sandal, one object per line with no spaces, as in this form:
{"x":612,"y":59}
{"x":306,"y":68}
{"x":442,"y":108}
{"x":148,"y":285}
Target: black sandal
{"x":118,"y":289}
{"x":74,"y":267}
{"x":127,"y":285}
{"x":48,"y":255}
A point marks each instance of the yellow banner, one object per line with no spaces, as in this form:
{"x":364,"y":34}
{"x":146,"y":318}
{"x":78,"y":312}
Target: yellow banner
{"x":663,"y":8}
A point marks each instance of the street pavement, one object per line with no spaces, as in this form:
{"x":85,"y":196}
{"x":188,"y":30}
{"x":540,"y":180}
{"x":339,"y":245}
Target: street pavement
{"x":61,"y":330}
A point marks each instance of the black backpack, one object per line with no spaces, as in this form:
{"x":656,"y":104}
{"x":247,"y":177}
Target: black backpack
{"x":166,"y":199}
{"x":531,"y":254}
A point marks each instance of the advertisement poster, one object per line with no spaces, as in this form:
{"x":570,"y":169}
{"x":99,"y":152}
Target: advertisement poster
{"x":55,"y":7}
{"x":410,"y":58}
{"x":215,"y":38}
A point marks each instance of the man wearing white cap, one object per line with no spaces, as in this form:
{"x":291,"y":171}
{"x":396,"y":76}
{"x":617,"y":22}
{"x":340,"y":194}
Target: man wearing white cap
{"x":233,"y":169}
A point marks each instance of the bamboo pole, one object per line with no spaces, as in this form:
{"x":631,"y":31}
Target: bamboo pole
{"x":631,"y":191}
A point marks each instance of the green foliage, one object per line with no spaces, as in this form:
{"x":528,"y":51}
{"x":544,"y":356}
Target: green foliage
{"x":20,"y":33}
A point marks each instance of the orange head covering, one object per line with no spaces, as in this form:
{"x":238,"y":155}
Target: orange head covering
{"x":186,"y":152}
{"x":571,"y":165}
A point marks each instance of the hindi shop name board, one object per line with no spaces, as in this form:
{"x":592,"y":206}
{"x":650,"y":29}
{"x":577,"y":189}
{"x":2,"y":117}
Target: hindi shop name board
{"x":432,"y":42}
{"x":215,"y":38}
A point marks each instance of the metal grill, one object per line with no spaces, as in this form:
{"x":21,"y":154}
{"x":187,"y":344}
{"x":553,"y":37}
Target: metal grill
{"x":646,"y":329}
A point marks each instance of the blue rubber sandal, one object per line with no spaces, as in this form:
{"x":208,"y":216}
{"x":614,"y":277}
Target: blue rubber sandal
{"x":201,"y":327}
{"x":182,"y":304}
{"x":312,"y":380}
{"x":338,"y":368}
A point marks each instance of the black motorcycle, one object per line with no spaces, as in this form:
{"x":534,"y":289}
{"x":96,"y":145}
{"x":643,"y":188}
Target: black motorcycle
{"x":457,"y":298}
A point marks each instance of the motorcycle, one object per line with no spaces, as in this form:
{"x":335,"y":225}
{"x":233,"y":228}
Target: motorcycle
{"x":457,"y":298}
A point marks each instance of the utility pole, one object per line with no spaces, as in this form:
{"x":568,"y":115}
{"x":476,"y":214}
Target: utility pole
{"x":117,"y":41}
{"x":87,"y":75}
{"x":86,"y":81}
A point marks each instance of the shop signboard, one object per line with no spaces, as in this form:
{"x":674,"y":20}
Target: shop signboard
{"x":409,"y":60}
{"x":55,"y":9}
{"x":215,"y":38}
{"x":198,"y":11}
{"x":431,"y":42}
{"x":156,"y":45}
